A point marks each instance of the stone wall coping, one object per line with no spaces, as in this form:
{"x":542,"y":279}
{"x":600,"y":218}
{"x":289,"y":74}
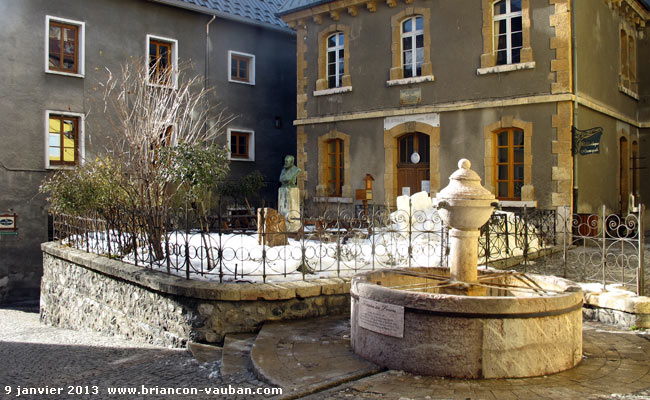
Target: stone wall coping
{"x":618,"y":300}
{"x":208,"y":290}
{"x":363,"y":287}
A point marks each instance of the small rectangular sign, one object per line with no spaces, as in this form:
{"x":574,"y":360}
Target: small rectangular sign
{"x":590,"y":149}
{"x":408,"y":97}
{"x":384,"y":318}
{"x":8,"y":222}
{"x":406,"y":191}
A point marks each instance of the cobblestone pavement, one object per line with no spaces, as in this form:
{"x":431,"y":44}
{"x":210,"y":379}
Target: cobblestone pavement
{"x":35,"y":356}
{"x":616,"y":365}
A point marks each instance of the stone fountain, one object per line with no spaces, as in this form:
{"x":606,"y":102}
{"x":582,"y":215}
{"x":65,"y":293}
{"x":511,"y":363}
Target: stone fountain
{"x":458,"y":322}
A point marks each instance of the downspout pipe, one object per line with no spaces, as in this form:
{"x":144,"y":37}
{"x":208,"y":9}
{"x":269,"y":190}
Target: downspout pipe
{"x":207,"y":52}
{"x":574,"y":55}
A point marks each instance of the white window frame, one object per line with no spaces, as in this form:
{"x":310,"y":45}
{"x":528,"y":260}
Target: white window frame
{"x":251,"y":67}
{"x":174,"y":44}
{"x":340,"y":45}
{"x":508,"y":16}
{"x":82,"y":142}
{"x":412,"y":36}
{"x":251,"y":144}
{"x":81,"y":70}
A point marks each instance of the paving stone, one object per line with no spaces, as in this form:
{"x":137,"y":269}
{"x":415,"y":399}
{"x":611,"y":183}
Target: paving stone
{"x":236,"y":354}
{"x":35,"y":355}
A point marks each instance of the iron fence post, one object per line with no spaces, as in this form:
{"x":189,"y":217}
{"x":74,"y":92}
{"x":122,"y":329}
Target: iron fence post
{"x":640,"y":281}
{"x":564,"y":238}
{"x":338,"y":239}
{"x":410,"y":221}
{"x":220,"y":232}
{"x":525,"y":238}
{"x":604,"y":247}
{"x":372,"y":241}
{"x":187,"y":244}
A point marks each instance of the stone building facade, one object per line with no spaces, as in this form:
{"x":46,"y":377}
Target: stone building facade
{"x":401,"y":89}
{"x":59,"y":51}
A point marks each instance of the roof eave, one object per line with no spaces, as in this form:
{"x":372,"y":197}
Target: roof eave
{"x":231,"y":17}
{"x":301,"y":8}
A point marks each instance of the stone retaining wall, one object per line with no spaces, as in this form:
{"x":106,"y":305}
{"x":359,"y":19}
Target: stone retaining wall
{"x":618,"y":308}
{"x":88,"y":292}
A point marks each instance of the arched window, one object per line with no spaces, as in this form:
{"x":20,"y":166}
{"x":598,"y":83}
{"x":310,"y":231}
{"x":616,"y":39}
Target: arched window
{"x":335,"y":165}
{"x":335,"y":59}
{"x":631,"y":58}
{"x":624,"y":50}
{"x":412,"y":46}
{"x":507,"y":31}
{"x":509,"y":174}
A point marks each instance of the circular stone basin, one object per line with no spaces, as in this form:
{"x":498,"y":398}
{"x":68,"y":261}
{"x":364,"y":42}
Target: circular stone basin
{"x":512,"y":332}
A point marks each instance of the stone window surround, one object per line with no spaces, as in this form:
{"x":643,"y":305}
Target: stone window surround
{"x":80,"y":46}
{"x":489,"y":136}
{"x":346,"y":81}
{"x":391,"y":151}
{"x":321,"y":189}
{"x":251,"y":144}
{"x":626,"y":84}
{"x":174,"y":45}
{"x":81,"y":145}
{"x":488,"y":58}
{"x":251,"y":67}
{"x":396,"y":71}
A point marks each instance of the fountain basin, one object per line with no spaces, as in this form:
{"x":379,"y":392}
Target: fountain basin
{"x":506,"y":334}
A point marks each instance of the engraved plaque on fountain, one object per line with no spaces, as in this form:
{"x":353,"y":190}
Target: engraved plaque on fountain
{"x":387,"y":319}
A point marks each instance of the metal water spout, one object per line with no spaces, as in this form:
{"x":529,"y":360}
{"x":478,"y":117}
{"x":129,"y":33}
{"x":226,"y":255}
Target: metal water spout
{"x":465,"y":205}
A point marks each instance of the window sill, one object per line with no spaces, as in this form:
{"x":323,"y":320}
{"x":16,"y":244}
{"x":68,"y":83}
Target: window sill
{"x":497,"y":69}
{"x":249,"y":83}
{"x":54,"y":167}
{"x":517,"y":203}
{"x":347,"y":200}
{"x":409,"y":81}
{"x":64,"y":73}
{"x":249,"y":159}
{"x":628,"y":92}
{"x":325,"y":92}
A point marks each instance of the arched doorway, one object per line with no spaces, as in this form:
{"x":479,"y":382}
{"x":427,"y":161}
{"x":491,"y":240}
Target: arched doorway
{"x":413,"y":163}
{"x":623,"y":176}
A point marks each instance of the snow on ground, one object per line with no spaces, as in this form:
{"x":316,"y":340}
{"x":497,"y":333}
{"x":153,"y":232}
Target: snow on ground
{"x":239,"y":257}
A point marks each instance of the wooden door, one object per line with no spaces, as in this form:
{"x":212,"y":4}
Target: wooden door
{"x":411,"y":174}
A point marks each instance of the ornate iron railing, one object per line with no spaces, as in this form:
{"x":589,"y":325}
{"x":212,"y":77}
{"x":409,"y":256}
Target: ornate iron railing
{"x":225,"y":244}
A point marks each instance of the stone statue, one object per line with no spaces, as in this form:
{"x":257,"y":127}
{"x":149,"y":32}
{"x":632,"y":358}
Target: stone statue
{"x":289,"y":194}
{"x":289,"y":175}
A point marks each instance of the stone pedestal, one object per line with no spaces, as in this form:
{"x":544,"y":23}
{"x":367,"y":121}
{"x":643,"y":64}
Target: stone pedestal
{"x":289,"y":207}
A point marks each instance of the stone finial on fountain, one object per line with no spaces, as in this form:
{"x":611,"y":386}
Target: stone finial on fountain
{"x":465,"y":205}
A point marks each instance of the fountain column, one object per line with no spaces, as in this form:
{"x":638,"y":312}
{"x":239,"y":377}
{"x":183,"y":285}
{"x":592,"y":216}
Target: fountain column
{"x":465,"y":206}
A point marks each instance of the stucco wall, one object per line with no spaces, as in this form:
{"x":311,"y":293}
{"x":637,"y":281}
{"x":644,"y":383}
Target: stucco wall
{"x":461,"y":136}
{"x":598,"y":55}
{"x":598,"y":173}
{"x":115,"y":32}
{"x":456,"y":47}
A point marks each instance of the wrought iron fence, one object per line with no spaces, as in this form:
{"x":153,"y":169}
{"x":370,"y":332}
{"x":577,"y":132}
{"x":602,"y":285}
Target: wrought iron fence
{"x":239,"y":244}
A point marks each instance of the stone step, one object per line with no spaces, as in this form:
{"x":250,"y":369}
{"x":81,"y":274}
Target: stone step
{"x":235,"y":358}
{"x":309,"y":355}
{"x":204,"y":353}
